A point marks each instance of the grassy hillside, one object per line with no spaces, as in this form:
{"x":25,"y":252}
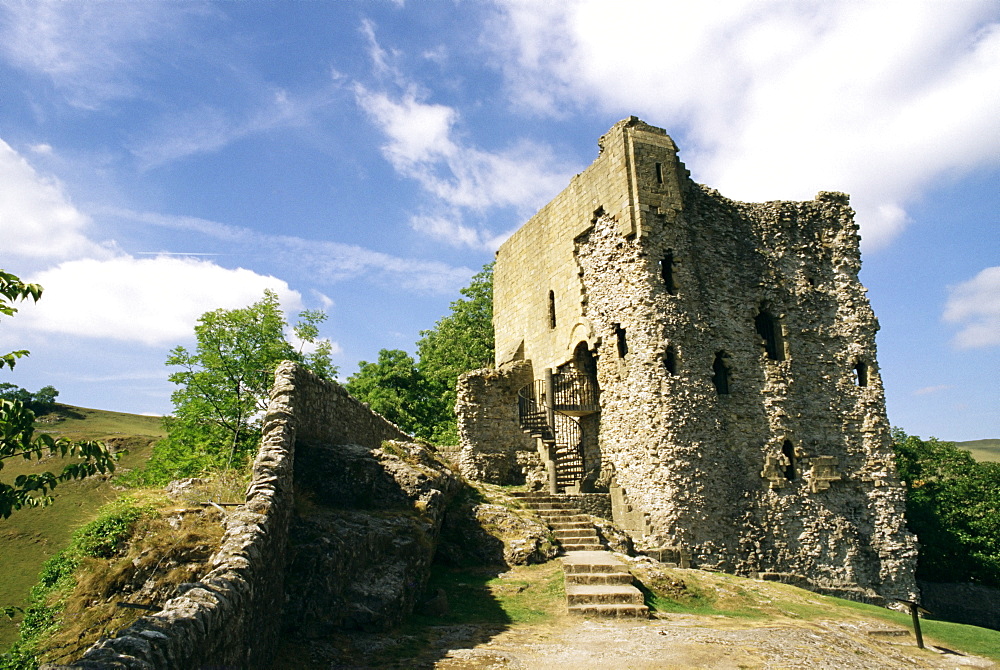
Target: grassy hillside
{"x":30,"y":536}
{"x":982,"y":450}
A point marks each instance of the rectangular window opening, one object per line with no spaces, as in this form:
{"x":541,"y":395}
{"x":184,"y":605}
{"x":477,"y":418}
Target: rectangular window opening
{"x":622,"y":343}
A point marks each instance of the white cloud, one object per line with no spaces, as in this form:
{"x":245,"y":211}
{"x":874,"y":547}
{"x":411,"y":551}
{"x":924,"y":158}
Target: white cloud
{"x":451,"y":231}
{"x":334,"y":262}
{"x":324,"y":261}
{"x":88,"y":49}
{"x":975,"y":306}
{"x":152,"y":301}
{"x":422,"y":145}
{"x":927,"y":390}
{"x":206,"y":129}
{"x":778,"y":100}
{"x":37,"y":218}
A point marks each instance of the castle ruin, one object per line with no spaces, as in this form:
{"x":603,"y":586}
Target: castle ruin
{"x":709,"y":363}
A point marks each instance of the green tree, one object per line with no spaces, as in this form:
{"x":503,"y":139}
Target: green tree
{"x":225,"y":382}
{"x":459,"y":342}
{"x":17,"y":428}
{"x":39,"y":402}
{"x":394,"y":388}
{"x":953,"y":507}
{"x":420,"y":398}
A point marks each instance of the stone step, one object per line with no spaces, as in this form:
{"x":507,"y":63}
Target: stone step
{"x":535,"y":496}
{"x":570,"y":525}
{"x":578,"y":540}
{"x":598,"y":578}
{"x":592,"y":561}
{"x":567,"y":516}
{"x":580,"y":546}
{"x":552,"y":507}
{"x":602,"y":594}
{"x":616,"y":611}
{"x":570,"y":534}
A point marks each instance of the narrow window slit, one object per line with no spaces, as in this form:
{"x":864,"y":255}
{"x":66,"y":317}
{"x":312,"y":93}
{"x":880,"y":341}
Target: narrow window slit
{"x":861,"y":373}
{"x":659,"y":173}
{"x":788,"y":450}
{"x":769,"y":329}
{"x":552,"y":309}
{"x":670,"y":360}
{"x":667,"y":272}
{"x":720,"y":373}
{"x":622,"y":343}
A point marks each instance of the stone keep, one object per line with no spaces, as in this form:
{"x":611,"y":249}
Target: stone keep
{"x":736,"y":411}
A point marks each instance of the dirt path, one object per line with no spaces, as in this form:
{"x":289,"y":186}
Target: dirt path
{"x":679,"y":641}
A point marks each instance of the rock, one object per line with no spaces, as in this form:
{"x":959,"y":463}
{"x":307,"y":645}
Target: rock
{"x":612,"y":537}
{"x":436,"y":606}
{"x":480,"y":533}
{"x":184,"y":488}
{"x":364,"y":536}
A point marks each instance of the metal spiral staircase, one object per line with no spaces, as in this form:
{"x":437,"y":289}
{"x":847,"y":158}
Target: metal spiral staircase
{"x":546,"y":411}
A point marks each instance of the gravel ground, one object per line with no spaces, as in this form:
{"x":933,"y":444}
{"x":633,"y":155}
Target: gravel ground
{"x":679,"y":641}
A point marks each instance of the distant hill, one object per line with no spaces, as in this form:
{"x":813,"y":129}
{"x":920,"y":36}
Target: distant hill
{"x":30,"y":536}
{"x":982,"y":450}
{"x":81,"y":423}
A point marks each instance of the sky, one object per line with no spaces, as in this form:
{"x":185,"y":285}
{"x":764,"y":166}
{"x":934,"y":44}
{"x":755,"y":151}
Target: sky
{"x":162,"y":159}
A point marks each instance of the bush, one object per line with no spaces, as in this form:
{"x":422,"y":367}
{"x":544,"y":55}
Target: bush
{"x":953,"y":507}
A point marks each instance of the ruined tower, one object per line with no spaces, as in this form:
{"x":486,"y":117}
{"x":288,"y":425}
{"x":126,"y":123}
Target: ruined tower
{"x":709,"y":363}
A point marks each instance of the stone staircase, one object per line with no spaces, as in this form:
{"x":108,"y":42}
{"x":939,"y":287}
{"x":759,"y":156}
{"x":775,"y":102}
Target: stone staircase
{"x":597,"y":583}
{"x":571,"y":528}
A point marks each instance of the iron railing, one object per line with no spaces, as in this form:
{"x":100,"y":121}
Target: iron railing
{"x":572,"y":395}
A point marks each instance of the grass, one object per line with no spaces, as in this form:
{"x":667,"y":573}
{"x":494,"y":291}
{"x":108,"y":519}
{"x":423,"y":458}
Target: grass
{"x":982,"y":450}
{"x":81,"y":423}
{"x":33,"y":535}
{"x":527,"y":594}
{"x":137,"y":551}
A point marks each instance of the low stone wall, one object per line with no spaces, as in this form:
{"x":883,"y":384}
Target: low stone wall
{"x":595,"y":504}
{"x":232,"y":617}
{"x":967,"y":603}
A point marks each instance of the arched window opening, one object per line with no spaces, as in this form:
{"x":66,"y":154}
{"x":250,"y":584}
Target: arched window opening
{"x":769,"y":329}
{"x":788,"y":449}
{"x":622,"y":343}
{"x":670,"y":360}
{"x":552,"y":309}
{"x":861,"y":373}
{"x":667,"y":271}
{"x":720,"y":373}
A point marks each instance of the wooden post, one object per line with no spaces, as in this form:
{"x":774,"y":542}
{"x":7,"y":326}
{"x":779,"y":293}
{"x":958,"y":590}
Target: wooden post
{"x":915,"y":611}
{"x":916,"y":625}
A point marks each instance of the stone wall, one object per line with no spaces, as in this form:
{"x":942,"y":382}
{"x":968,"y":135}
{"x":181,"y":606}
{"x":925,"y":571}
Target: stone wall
{"x":488,"y":430}
{"x":539,"y":258}
{"x":232,"y":617}
{"x":595,"y":504}
{"x":742,"y":412}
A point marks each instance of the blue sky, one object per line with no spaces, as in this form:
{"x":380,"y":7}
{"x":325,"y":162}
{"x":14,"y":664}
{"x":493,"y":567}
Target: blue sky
{"x":161,"y":159}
